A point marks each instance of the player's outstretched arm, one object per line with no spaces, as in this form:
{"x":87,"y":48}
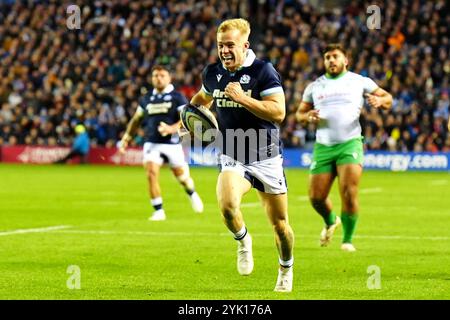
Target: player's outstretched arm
{"x":203,"y":99}
{"x":380,"y":98}
{"x":130,"y":131}
{"x":305,"y":113}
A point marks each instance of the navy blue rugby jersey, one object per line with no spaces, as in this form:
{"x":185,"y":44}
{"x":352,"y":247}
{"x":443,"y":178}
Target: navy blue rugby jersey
{"x":261,"y":138}
{"x":161,"y":107}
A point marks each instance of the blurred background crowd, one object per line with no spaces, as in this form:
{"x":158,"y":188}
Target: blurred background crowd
{"x":52,"y":78}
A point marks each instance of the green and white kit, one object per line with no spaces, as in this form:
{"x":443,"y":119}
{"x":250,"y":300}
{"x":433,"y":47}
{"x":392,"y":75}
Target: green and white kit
{"x":339,"y":101}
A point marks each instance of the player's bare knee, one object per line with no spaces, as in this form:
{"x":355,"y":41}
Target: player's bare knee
{"x":316,"y":195}
{"x":228,"y":208}
{"x":350,"y":193}
{"x":152,"y":174}
{"x":184,"y":178}
{"x":350,"y":199}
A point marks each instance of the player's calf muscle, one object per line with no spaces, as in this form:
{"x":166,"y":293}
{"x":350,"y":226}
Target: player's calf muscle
{"x":349,"y":196}
{"x":285,"y":239}
{"x":350,"y":205}
{"x":320,"y":205}
{"x":282,"y":229}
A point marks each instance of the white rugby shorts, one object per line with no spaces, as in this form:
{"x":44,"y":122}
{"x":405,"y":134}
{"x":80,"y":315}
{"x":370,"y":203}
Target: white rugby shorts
{"x":164,"y":152}
{"x":266,"y":176}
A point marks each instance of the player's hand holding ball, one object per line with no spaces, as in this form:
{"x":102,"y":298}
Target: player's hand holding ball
{"x":197,"y":120}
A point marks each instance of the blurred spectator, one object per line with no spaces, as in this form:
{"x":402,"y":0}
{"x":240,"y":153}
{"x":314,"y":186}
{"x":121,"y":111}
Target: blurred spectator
{"x":80,"y":146}
{"x":52,"y":78}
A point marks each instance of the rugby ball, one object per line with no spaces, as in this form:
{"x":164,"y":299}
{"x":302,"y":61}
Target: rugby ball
{"x":197,"y":120}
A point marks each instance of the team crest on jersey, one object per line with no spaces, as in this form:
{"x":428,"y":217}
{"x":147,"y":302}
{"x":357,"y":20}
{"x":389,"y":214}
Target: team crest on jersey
{"x":245,"y":79}
{"x":219,"y":76}
{"x":167,"y":98}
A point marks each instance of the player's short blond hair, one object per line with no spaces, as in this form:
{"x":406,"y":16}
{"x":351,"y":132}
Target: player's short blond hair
{"x":235,"y":24}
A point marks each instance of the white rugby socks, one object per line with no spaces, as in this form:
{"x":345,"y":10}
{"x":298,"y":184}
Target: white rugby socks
{"x":286,"y":263}
{"x":157,"y":203}
{"x":240,"y":234}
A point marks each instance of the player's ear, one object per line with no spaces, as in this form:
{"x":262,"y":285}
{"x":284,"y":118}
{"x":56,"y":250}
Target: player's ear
{"x":247,"y":44}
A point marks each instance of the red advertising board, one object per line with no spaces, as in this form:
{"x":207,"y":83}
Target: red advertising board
{"x":132,"y":156}
{"x":32,"y":154}
{"x":45,"y":155}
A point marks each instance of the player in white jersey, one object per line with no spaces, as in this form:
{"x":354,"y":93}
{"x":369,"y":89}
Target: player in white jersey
{"x":333,"y":102}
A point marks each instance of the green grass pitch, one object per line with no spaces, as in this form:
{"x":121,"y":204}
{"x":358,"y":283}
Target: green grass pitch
{"x":100,"y":218}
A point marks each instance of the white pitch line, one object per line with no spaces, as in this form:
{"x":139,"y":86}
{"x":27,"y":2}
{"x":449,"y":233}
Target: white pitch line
{"x":148,"y":233}
{"x":363,"y":191}
{"x":371,"y":190}
{"x":33,"y":230}
{"x":439,"y":182}
{"x":210,"y":234}
{"x":402,"y":237}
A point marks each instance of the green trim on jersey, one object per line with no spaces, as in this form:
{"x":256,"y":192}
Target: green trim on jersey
{"x":340,"y":75}
{"x":326,"y":158}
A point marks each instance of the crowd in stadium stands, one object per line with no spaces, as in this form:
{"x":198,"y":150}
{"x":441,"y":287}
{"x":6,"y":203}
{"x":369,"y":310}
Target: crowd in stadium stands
{"x":52,"y":78}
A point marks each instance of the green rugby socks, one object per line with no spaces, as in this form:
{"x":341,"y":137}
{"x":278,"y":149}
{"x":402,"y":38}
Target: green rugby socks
{"x":330,"y":219}
{"x":349,"y":225}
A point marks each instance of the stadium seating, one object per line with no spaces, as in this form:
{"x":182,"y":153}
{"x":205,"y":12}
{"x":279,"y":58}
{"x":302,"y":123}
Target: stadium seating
{"x":53,"y":77}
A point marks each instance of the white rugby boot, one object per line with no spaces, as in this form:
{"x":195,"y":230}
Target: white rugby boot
{"x":158,"y":215}
{"x":196,"y":202}
{"x":245,"y":256}
{"x":348,"y":247}
{"x":285,"y":279}
{"x":328,"y":231}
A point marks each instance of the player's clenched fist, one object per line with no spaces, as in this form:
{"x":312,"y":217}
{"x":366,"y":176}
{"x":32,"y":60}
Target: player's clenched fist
{"x":123,"y":143}
{"x":313,"y":116}
{"x":234,"y":91}
{"x":164,"y":129}
{"x":373,"y":100}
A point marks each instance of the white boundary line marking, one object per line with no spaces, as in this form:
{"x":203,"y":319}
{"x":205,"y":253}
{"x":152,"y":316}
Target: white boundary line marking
{"x":371,"y":190}
{"x":438,"y":182}
{"x":361,"y":191}
{"x":210,"y":234}
{"x":63,"y":230}
{"x":33,"y":230}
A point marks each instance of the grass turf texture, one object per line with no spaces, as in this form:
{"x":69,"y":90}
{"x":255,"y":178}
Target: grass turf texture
{"x":403,"y":229}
